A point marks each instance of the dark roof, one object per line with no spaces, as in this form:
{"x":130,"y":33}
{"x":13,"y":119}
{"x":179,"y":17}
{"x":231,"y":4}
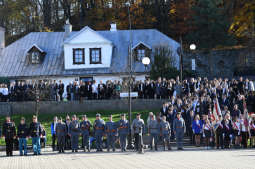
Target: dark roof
{"x":14,"y":62}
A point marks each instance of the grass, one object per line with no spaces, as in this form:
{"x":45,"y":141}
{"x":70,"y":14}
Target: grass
{"x":46,"y":119}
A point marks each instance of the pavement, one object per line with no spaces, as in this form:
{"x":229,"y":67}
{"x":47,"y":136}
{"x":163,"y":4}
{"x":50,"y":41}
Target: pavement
{"x":190,"y":157}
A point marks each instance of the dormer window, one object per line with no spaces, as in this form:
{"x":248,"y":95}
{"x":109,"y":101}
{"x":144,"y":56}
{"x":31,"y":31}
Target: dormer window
{"x":140,"y":54}
{"x":35,"y":54}
{"x":35,"y":57}
{"x":141,"y":50}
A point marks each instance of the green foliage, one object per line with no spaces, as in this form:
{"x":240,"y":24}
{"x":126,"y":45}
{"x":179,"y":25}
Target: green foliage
{"x":163,"y":63}
{"x":211,"y":25}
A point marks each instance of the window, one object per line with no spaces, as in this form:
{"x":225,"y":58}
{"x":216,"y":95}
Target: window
{"x":95,"y":56}
{"x":35,"y":57}
{"x":140,"y":54}
{"x":78,"y":56}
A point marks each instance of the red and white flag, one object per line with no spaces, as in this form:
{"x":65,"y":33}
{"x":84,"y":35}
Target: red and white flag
{"x":215,"y":114}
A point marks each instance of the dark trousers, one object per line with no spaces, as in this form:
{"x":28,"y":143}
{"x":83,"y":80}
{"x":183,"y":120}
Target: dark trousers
{"x":138,"y":142}
{"x":53,"y":142}
{"x":226,"y":141}
{"x":61,"y":143}
{"x":244,"y":139}
{"x":9,"y":146}
{"x":219,"y":140}
{"x":68,"y":142}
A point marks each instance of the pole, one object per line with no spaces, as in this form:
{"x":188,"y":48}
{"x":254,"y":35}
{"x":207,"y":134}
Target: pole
{"x":130,"y":145}
{"x":181,"y":61}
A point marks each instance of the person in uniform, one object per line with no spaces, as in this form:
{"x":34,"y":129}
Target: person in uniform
{"x":111,"y":132}
{"x":68,"y":138}
{"x":99,"y":127}
{"x":61,"y":131}
{"x":74,"y":132}
{"x":35,"y":131}
{"x":154,"y":132}
{"x":179,"y":130}
{"x":138,"y":129}
{"x":85,"y":130}
{"x":22,"y":134}
{"x":123,"y":129}
{"x":165,"y":131}
{"x":9,"y":133}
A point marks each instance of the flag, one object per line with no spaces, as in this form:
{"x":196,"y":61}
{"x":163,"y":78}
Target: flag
{"x":215,"y":114}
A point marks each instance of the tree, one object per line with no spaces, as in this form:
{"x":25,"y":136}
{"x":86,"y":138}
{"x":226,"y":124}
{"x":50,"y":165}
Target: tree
{"x":243,"y":25}
{"x":163,"y":63}
{"x":211,"y":25}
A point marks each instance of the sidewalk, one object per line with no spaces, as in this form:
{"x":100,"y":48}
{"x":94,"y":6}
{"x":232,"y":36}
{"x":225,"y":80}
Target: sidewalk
{"x":189,"y":158}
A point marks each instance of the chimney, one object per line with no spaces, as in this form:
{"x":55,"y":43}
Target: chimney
{"x":2,"y":38}
{"x":113,"y":27}
{"x":68,"y":28}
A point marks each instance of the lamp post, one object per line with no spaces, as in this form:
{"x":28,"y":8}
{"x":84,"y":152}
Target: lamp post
{"x":193,"y":47}
{"x":146,"y":61}
{"x":130,"y":143}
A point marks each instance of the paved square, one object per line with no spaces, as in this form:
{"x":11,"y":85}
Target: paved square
{"x":189,"y":158}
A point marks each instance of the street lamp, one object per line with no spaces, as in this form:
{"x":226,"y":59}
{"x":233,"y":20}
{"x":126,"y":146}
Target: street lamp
{"x":193,"y":47}
{"x":130,"y":143}
{"x":193,"y":61}
{"x":146,"y":61}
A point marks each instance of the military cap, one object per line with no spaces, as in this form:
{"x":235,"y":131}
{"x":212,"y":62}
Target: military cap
{"x":98,"y":115}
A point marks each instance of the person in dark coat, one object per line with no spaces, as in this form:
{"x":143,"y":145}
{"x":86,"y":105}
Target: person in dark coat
{"x":22,"y":135}
{"x":61,"y":88}
{"x":9,"y":133}
{"x":35,"y":131}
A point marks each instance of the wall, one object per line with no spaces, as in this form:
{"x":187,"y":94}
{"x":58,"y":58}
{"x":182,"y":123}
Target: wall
{"x":86,"y":106}
{"x":88,"y":39}
{"x":221,"y":63}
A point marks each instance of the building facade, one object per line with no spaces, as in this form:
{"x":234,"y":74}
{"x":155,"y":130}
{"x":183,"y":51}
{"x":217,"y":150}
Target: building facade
{"x":81,"y":55}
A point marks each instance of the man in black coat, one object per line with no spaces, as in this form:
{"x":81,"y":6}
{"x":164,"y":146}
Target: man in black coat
{"x":9,"y":133}
{"x":61,"y":88}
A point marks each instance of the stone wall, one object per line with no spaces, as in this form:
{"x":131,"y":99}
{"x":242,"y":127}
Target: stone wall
{"x":224,"y":63}
{"x":86,"y":106}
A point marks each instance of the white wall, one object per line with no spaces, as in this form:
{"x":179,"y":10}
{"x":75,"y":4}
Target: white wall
{"x":88,"y":39}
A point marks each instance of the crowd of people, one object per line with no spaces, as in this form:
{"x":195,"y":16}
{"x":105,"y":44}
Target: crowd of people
{"x":147,"y":89}
{"x":213,"y":113}
{"x":217,"y":113}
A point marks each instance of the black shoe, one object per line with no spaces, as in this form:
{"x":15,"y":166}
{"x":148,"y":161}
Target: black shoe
{"x":113,"y":150}
{"x":39,"y":154}
{"x":108,"y":150}
{"x":59,"y":152}
{"x":169,"y":148}
{"x":98,"y":150}
{"x":35,"y":154}
{"x":76,"y":151}
{"x":72,"y":151}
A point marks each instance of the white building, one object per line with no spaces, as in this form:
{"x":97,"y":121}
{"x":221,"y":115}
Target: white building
{"x":83,"y":55}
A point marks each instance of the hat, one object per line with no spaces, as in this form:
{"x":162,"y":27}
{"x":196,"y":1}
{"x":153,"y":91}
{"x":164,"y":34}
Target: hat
{"x":138,"y":114}
{"x":123,"y":114}
{"x":98,"y":115}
